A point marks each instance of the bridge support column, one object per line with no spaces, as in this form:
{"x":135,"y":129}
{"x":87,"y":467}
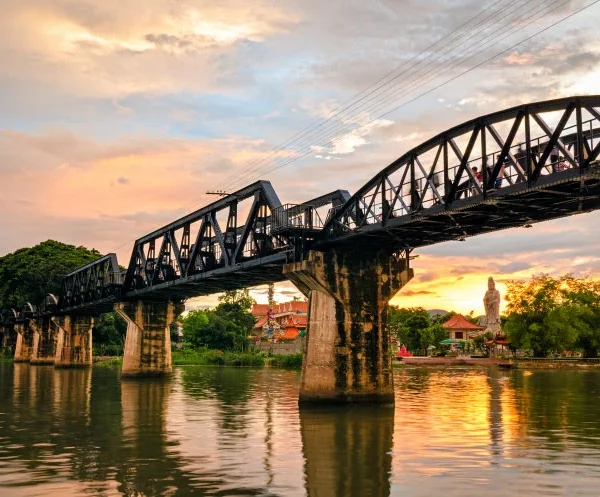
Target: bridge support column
{"x":44,"y":342}
{"x":148,"y":340}
{"x":347,"y":350}
{"x":73,"y":341}
{"x":24,"y":342}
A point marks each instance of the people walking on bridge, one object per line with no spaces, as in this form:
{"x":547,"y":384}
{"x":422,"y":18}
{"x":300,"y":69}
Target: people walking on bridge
{"x":478,"y":178}
{"x":554,"y":158}
{"x":500,"y":177}
{"x":521,"y":156}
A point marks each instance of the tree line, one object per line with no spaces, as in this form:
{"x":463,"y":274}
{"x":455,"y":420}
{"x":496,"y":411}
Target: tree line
{"x":545,"y":315}
{"x":28,"y":274}
{"x":549,"y":315}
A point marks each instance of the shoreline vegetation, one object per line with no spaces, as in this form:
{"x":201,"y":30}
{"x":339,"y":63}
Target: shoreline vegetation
{"x":217,"y":358}
{"x":504,"y":363}
{"x":294,"y":361}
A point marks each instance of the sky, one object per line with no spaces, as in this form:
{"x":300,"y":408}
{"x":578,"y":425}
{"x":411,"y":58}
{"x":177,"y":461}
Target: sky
{"x":117,"y":117}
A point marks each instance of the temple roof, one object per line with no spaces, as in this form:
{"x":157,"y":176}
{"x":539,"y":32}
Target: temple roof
{"x":459,"y":322}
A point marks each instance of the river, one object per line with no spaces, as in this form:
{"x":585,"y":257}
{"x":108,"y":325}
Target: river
{"x":225,"y":431}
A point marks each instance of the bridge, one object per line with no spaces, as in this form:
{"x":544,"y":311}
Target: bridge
{"x":349,"y":254}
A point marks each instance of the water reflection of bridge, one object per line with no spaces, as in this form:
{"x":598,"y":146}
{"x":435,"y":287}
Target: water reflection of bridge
{"x":205,"y":433}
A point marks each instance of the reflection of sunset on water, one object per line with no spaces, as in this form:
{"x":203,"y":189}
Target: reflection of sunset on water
{"x":228,"y":431}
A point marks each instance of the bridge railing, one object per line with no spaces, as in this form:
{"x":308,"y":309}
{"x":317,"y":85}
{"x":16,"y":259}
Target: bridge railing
{"x":296,"y":217}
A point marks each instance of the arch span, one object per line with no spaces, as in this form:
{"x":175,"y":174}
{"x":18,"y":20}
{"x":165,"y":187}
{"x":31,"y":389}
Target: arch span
{"x":521,"y":165}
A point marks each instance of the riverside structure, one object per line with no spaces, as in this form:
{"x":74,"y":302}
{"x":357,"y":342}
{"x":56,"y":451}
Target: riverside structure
{"x":348,"y":254}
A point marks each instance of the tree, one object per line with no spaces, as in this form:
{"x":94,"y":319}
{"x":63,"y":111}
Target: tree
{"x":413,"y":328}
{"x":225,"y":328}
{"x":28,"y":274}
{"x":239,"y":297}
{"x":581,"y":312}
{"x":553,"y":314}
{"x":109,"y":334}
{"x":194,"y":325}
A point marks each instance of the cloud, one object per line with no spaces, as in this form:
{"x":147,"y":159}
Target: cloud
{"x":118,"y":116}
{"x":412,"y":293}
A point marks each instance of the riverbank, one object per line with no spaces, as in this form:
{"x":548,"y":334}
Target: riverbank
{"x":217,"y":358}
{"x":524,"y":363}
{"x":235,"y":359}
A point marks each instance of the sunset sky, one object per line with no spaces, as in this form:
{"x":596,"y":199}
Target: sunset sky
{"x":117,"y":116}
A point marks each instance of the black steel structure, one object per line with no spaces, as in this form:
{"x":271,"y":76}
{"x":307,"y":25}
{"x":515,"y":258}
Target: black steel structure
{"x":91,"y":288}
{"x":238,"y":241}
{"x":533,"y":163}
{"x":527,"y":171}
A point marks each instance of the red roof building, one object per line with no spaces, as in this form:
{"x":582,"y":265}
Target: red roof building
{"x":459,"y":327}
{"x":290,"y":319}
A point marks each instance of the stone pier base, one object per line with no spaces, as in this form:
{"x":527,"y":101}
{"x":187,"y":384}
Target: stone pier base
{"x":148,"y":341}
{"x":44,"y":341}
{"x":24,"y":344}
{"x":73,"y":341}
{"x":348,"y":343}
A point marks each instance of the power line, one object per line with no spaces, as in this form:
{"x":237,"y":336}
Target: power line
{"x":282,"y":148}
{"x":491,"y":42}
{"x":373,"y":89}
{"x":392,"y":95}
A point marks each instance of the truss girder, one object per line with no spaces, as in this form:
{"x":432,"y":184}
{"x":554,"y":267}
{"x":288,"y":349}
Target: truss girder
{"x":221,"y":234}
{"x":507,"y":153}
{"x":96,"y":281}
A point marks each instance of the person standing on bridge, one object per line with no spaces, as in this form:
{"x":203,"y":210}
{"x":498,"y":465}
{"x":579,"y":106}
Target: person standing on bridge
{"x":554,"y":157}
{"x":500,"y":177}
{"x":478,"y":177}
{"x":521,"y":157}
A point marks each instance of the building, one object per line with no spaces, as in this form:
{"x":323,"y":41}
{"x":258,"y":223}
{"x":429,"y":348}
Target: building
{"x":290,"y":320}
{"x":460,"y":328}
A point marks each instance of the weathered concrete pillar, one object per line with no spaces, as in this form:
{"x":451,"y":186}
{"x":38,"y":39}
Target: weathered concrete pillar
{"x":148,"y":341}
{"x":44,"y":341}
{"x":24,"y":342}
{"x":73,"y":341}
{"x":347,"y":351}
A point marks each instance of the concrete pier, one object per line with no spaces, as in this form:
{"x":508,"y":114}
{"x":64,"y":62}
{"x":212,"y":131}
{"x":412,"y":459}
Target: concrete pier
{"x":347,"y":351}
{"x":44,"y":341}
{"x":24,"y":344}
{"x":73,"y":341}
{"x":148,"y":341}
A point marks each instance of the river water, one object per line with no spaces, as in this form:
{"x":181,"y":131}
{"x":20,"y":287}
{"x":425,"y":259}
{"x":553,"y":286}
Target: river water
{"x":225,"y":431}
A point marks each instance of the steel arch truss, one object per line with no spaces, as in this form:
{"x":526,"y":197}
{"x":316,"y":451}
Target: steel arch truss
{"x":518,"y":157}
{"x":94,"y":286}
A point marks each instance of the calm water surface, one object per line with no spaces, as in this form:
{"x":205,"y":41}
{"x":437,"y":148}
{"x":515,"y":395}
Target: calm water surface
{"x":212,"y":431}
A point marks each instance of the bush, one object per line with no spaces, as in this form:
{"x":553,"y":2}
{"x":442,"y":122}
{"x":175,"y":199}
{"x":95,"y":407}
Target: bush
{"x":208,"y":357}
{"x":108,"y":350}
{"x":292,"y":361}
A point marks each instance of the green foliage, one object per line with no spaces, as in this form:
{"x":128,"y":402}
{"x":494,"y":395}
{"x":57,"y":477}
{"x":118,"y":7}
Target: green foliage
{"x":415,"y":329}
{"x":239,"y":297}
{"x":109,"y":363}
{"x":28,"y":274}
{"x":206,"y":357}
{"x":549,"y":315}
{"x":224,"y":328}
{"x":109,"y":335}
{"x":193,"y":328}
{"x":479,"y":341}
{"x":291,"y":361}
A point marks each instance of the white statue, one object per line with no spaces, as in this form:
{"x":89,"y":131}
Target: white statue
{"x":491,"y":302}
